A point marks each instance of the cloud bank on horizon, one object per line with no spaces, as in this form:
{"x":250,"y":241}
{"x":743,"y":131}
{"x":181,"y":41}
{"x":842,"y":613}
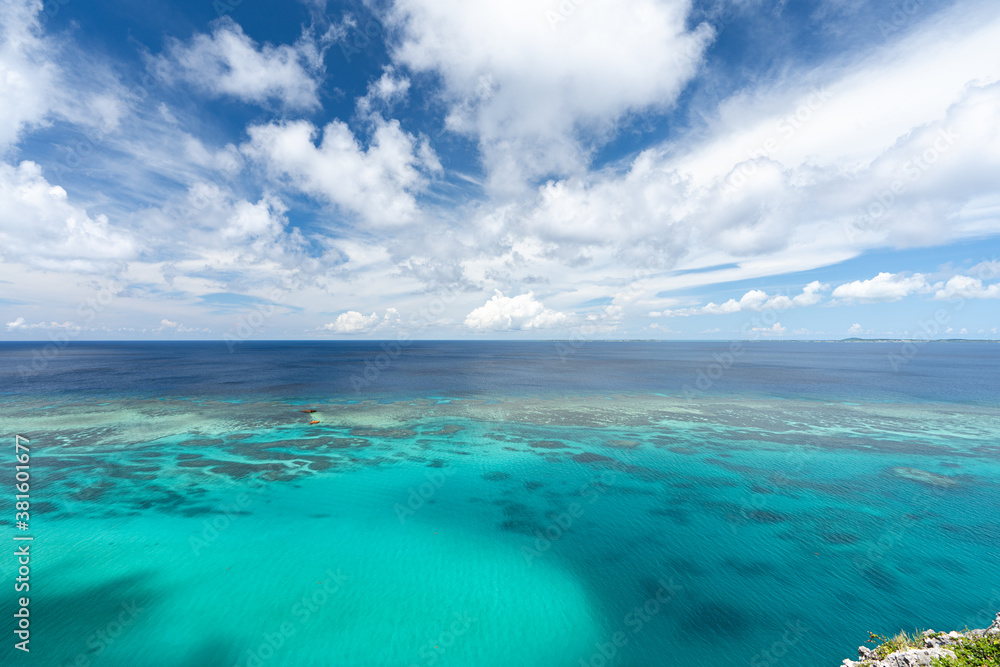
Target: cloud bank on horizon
{"x":529,"y":169}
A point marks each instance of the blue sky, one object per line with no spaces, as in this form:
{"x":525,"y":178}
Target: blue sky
{"x":527,"y":169}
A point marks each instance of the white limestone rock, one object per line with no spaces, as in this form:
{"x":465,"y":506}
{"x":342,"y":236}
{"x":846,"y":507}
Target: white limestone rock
{"x":995,"y":628}
{"x":935,"y":646}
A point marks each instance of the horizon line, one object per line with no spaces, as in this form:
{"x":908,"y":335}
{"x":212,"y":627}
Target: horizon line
{"x":514,"y":340}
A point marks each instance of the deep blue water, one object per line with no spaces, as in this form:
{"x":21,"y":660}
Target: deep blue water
{"x":959,"y":372}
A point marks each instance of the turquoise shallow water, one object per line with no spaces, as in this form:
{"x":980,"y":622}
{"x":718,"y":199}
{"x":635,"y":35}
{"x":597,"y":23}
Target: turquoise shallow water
{"x":611,"y":529}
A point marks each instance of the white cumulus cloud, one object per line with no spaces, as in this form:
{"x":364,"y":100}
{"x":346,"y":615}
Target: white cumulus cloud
{"x":229,"y":63}
{"x":756,"y":190}
{"x":775,"y":329}
{"x":354,"y":322}
{"x":385,"y":91}
{"x":378,"y":183}
{"x":522,"y":312}
{"x":526,"y":89}
{"x":41,"y":227}
{"x":754,"y":301}
{"x":19,"y":324}
{"x":176,"y":327}
{"x":883,"y":287}
{"x":966,"y":287}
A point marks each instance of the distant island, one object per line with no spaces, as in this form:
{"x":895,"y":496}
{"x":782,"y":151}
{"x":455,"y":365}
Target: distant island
{"x":908,"y":340}
{"x":921,"y":341}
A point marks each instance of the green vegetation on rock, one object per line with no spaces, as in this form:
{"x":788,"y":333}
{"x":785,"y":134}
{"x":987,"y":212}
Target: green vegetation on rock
{"x":886,"y":645}
{"x":975,"y":652}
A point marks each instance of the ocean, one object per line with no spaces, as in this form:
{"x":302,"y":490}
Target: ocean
{"x":549,"y":504}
